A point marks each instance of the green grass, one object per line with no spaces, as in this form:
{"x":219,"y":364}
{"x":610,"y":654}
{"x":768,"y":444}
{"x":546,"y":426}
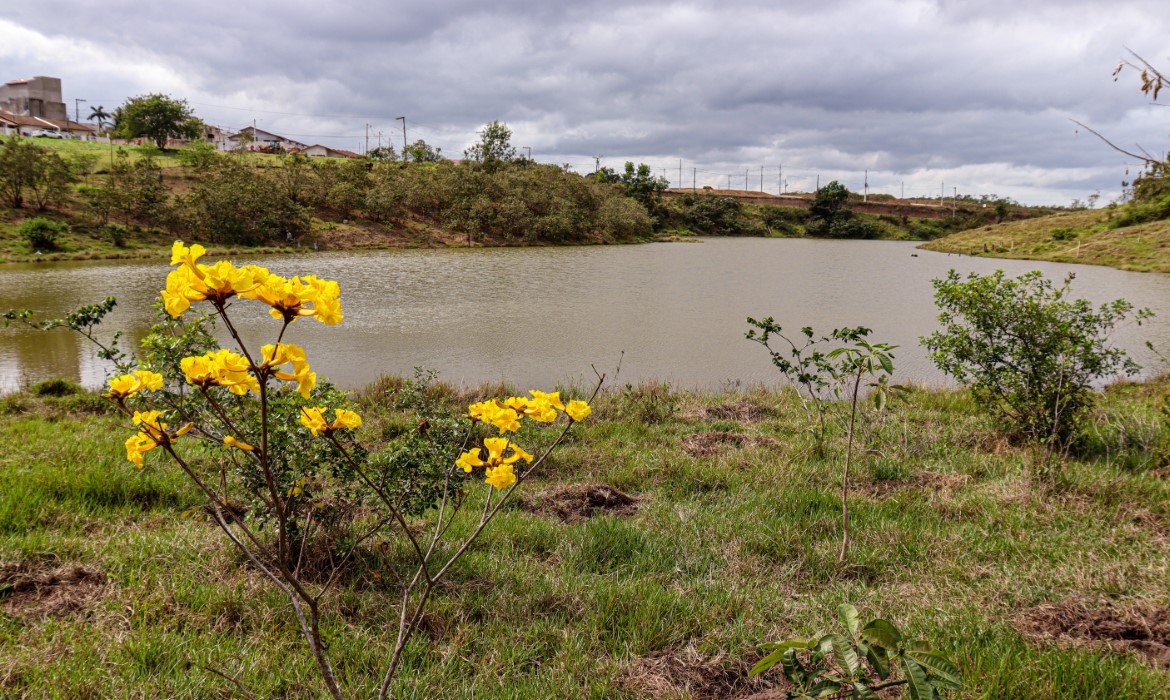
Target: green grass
{"x":727,"y":551}
{"x":1086,"y":237}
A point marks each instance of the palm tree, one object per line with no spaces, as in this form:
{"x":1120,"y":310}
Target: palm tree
{"x":100,"y":114}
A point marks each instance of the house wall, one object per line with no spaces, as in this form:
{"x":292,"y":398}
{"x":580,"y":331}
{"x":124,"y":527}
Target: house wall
{"x":36,"y":97}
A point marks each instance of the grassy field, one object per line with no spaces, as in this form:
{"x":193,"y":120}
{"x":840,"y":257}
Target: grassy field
{"x":1073,"y":237}
{"x":673,"y":535}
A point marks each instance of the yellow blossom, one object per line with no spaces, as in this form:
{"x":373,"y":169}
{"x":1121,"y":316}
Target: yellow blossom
{"x":152,"y":432}
{"x":127,"y":385}
{"x":191,"y":282}
{"x":240,"y":444}
{"x":314,"y":419}
{"x":182,"y":255}
{"x":289,"y":298}
{"x":220,"y":368}
{"x":500,"y":477}
{"x":469,"y":460}
{"x":578,"y":410}
{"x":346,"y":419}
{"x":287,"y":353}
{"x":553,"y":399}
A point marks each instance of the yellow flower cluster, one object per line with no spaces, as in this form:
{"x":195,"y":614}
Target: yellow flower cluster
{"x":152,"y":432}
{"x":220,"y":368}
{"x":289,"y":298}
{"x":314,"y":420}
{"x":289,"y":354}
{"x":542,"y":407}
{"x":498,"y":470}
{"x":126,"y":385}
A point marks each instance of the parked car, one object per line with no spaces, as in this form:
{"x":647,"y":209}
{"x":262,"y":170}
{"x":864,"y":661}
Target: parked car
{"x":46,"y":134}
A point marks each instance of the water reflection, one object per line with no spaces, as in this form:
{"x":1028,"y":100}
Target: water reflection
{"x":543,"y":315}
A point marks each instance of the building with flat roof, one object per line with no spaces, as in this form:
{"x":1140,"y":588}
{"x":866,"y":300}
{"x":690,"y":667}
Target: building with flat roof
{"x":39,"y":96}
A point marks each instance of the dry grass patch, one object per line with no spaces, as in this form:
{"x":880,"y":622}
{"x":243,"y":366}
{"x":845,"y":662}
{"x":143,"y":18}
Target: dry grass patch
{"x":739,"y":410}
{"x":35,"y":591}
{"x":1139,"y":629}
{"x":685,"y":673}
{"x":712,"y":443}
{"x":934,"y":482}
{"x":579,"y":502}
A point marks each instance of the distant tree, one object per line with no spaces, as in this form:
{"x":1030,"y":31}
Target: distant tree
{"x":494,"y":147}
{"x":383,"y":153}
{"x":157,"y":117}
{"x":29,"y":170}
{"x":829,"y":215}
{"x":100,"y":115}
{"x":422,"y":152}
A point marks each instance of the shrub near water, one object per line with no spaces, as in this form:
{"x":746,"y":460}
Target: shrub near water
{"x":41,"y":233}
{"x":1028,"y":350}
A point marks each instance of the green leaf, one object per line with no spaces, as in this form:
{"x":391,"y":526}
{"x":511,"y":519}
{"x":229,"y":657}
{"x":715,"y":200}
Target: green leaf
{"x":845,"y":654}
{"x":883,"y":634}
{"x":793,"y":670}
{"x":887,"y":363}
{"x":850,"y":618}
{"x":879,"y":400}
{"x":879,"y":658}
{"x":919,"y":687}
{"x":777,"y":654}
{"x":824,"y":689}
{"x":944,"y":671}
{"x":862,"y":691}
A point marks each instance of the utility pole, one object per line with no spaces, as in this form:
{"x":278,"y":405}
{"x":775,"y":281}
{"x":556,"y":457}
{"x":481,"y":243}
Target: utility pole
{"x":694,"y":179}
{"x":77,"y":109}
{"x":818,"y":182}
{"x":780,"y":179}
{"x":746,"y":186}
{"x":955,"y":203}
{"x":903,"y":190}
{"x":596,"y":164}
{"x":403,"y":137}
{"x":865,"y":195}
{"x":942,"y":191}
{"x":729,"y":182}
{"x":367,"y":151}
{"x":529,"y":151}
{"x":680,"y":180}
{"x":761,"y":179}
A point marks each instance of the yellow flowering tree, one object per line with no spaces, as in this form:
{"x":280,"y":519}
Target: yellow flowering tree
{"x":284,"y":443}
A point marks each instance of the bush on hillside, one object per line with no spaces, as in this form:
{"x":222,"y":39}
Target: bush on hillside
{"x":41,"y":233}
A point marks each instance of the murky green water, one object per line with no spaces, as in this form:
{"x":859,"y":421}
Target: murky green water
{"x":535,"y":316}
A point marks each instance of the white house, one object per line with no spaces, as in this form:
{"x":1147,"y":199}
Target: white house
{"x":252,"y":139}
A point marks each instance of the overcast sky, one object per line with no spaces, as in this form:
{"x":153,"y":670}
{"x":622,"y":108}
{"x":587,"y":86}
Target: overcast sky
{"x":977,"y":95}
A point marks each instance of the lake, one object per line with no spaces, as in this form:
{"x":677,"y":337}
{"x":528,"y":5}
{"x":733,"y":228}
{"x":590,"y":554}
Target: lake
{"x":670,"y":312}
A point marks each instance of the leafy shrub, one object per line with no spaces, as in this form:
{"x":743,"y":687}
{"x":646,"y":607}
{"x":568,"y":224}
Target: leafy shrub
{"x":1063,"y":234}
{"x":199,"y":155}
{"x":1028,"y":351}
{"x":41,"y":233}
{"x":116,"y":233}
{"x":861,"y":663}
{"x":237,"y":205}
{"x":55,"y":387}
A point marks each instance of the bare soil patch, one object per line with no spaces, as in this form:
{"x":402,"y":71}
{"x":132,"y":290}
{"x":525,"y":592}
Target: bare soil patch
{"x":711,"y":443}
{"x":1142,"y":630}
{"x":33,"y":590}
{"x":685,"y":673}
{"x":579,"y":502}
{"x":740,"y":410}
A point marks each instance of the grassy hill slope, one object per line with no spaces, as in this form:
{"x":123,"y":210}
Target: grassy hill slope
{"x":1074,"y":237}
